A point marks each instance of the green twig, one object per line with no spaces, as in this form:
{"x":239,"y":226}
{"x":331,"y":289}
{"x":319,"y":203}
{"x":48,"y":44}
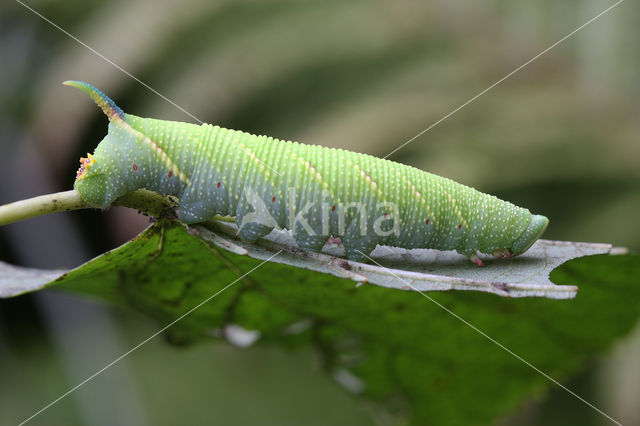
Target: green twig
{"x":38,"y":206}
{"x":147,"y":202}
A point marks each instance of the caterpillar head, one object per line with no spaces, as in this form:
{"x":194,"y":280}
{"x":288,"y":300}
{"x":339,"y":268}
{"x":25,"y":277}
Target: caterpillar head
{"x":93,"y":179}
{"x":537,"y":226}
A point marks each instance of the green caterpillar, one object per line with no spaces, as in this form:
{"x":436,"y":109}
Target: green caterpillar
{"x":315,"y":192}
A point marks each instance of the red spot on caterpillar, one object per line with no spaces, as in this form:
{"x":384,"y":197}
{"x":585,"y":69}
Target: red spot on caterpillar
{"x":135,"y":167}
{"x":218,"y":185}
{"x":273,"y":200}
{"x":460,"y":226}
{"x":426,"y":222}
{"x":170,"y":173}
{"x":333,"y":209}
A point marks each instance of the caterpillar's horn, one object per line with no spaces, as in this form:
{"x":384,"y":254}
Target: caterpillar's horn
{"x":109,"y":107}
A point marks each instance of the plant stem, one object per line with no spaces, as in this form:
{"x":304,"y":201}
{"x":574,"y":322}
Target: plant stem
{"x":38,"y":206}
{"x":147,"y":202}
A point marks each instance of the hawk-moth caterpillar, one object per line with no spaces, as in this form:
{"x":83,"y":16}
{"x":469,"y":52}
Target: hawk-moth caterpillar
{"x":315,"y":192}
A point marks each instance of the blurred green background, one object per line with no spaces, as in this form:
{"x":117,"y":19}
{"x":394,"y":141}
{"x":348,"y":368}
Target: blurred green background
{"x":559,"y":137}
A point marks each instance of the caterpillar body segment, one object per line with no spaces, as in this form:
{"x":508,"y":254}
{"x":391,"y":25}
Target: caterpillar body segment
{"x":315,"y":192}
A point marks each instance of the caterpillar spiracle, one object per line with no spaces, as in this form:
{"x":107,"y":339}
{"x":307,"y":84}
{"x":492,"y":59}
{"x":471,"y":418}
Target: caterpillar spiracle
{"x":315,"y":192}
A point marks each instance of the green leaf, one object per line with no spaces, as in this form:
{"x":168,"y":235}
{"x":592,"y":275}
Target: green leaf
{"x":398,"y":349}
{"x":15,"y":280}
{"x":417,"y":270}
